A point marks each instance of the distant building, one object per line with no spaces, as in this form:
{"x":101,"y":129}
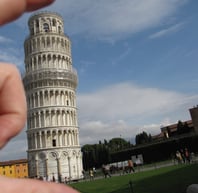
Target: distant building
{"x":172,"y":130}
{"x":14,"y":168}
{"x":194,"y":116}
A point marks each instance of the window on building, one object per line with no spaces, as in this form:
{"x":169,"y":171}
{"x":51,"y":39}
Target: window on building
{"x":54,"y":142}
{"x":37,"y":23}
{"x":46,"y":27}
{"x":54,"y":22}
{"x":59,"y":29}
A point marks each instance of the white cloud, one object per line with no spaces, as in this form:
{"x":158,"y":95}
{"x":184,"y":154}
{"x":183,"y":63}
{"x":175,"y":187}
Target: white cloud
{"x":13,"y":56}
{"x":127,"y":100}
{"x":9,"y":53}
{"x":126,"y":109}
{"x":112,"y":20}
{"x":15,"y":149}
{"x":95,"y":131}
{"x":5,"y":40}
{"x":167,"y":31}
{"x":84,"y":65}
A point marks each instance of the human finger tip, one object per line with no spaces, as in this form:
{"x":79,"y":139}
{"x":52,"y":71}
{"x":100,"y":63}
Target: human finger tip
{"x":37,"y":4}
{"x":11,"y":10}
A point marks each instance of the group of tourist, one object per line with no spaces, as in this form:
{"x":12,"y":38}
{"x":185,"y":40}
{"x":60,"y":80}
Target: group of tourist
{"x":109,"y":169}
{"x":183,"y":156}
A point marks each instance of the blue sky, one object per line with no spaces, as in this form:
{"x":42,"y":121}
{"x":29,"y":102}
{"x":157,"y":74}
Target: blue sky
{"x":136,"y":62}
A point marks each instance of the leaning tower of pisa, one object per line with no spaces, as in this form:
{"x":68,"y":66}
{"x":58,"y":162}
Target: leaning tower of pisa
{"x":50,"y":82}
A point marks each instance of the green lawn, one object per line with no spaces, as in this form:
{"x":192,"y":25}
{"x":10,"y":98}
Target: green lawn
{"x":173,"y":179}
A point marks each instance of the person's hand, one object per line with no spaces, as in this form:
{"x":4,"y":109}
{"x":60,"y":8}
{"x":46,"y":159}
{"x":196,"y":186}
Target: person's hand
{"x":13,"y":185}
{"x":13,"y":104}
{"x":12,"y":9}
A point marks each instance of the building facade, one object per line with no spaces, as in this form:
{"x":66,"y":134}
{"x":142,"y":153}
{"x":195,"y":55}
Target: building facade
{"x":14,"y":168}
{"x":194,"y":115}
{"x":50,"y":82}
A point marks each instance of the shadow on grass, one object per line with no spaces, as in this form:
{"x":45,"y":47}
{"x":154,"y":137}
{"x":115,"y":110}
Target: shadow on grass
{"x":175,"y":181}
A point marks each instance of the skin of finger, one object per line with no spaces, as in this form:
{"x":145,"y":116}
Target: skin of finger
{"x":36,"y":4}
{"x":13,"y":107}
{"x":12,"y":9}
{"x":9,"y":185}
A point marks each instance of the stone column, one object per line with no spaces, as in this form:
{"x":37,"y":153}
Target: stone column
{"x":59,"y":170}
{"x":47,"y":172}
{"x":69,"y":167}
{"x":36,"y":163}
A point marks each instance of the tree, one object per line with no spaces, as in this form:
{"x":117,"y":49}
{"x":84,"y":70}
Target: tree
{"x":88,"y":156}
{"x":142,"y":138}
{"x":117,"y":144}
{"x":182,"y":127}
{"x":95,"y":155}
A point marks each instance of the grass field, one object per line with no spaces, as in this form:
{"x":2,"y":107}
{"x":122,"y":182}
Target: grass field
{"x":172,"y":179}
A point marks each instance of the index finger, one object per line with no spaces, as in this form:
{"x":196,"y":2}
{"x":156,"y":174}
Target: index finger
{"x":12,"y":9}
{"x":13,"y":110}
{"x":36,"y":4}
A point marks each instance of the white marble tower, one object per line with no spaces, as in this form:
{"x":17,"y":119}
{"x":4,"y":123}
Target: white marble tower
{"x":50,"y":82}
